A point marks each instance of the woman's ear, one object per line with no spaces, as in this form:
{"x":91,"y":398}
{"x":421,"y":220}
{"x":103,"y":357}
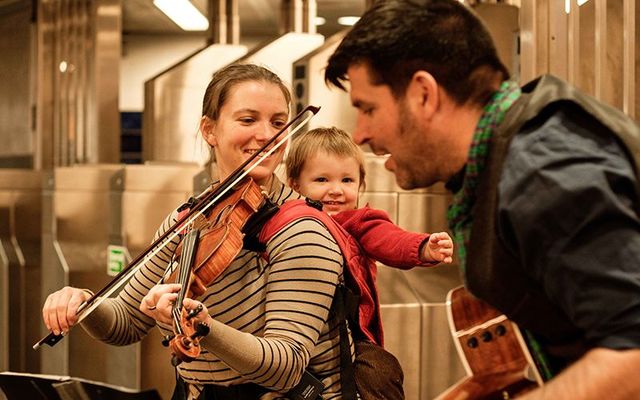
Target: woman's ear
{"x":207,"y":127}
{"x":422,"y":94}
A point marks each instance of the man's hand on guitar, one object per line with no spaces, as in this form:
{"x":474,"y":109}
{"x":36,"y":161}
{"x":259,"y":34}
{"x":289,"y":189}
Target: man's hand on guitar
{"x":599,"y":374}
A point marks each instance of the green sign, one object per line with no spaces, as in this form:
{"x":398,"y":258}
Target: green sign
{"x":116,"y":259}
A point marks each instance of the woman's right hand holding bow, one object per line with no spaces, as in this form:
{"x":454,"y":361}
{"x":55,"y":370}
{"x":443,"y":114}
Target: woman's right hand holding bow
{"x":60,"y":309}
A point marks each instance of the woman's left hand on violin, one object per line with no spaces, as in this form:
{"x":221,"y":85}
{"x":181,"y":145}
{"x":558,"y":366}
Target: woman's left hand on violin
{"x":158,"y":303}
{"x":200,"y":315}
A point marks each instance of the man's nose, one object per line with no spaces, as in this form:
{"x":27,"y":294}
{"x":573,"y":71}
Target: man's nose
{"x":359,"y":134}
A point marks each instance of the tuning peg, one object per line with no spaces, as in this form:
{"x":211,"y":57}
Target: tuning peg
{"x":166,"y":340}
{"x":194,"y":312}
{"x":202,"y":329}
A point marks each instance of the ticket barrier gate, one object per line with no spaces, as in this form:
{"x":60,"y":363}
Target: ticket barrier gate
{"x":89,"y":209}
{"x":149,"y":194}
{"x":20,"y":222}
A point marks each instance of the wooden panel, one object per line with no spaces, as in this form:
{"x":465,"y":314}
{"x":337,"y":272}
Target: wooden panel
{"x":573,"y":43}
{"x":534,"y":39}
{"x":558,"y":40}
{"x":600,"y":49}
{"x":586,"y":64}
{"x":631,"y":62}
{"x":528,"y":52}
{"x":613,"y":78}
{"x":629,"y":58}
{"x":608,"y":67}
{"x":502,"y":22}
{"x":542,"y":37}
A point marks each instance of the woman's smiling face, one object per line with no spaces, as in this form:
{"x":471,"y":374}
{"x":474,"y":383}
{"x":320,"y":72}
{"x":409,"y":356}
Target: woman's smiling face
{"x":253,"y":113}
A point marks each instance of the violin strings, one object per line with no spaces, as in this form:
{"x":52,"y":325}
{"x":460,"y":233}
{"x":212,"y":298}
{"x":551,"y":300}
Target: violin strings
{"x":186,"y":261}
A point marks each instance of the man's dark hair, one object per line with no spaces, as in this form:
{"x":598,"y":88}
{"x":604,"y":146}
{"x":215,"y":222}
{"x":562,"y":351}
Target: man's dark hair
{"x":396,"y":38}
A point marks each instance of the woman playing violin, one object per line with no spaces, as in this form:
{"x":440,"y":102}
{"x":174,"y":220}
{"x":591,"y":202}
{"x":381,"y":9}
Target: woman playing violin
{"x":268,"y":321}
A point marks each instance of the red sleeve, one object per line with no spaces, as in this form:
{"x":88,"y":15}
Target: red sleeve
{"x":381,"y":239}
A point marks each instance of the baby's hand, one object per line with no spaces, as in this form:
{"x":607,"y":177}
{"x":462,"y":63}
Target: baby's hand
{"x":439,"y":248}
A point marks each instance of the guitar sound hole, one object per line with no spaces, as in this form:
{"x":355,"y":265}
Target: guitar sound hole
{"x":472,"y":342}
{"x":486,"y":336}
{"x":501,"y":330}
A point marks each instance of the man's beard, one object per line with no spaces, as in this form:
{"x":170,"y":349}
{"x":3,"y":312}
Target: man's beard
{"x":411,"y":172}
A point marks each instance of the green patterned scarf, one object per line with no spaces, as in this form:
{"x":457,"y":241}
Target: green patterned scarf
{"x":459,"y":214}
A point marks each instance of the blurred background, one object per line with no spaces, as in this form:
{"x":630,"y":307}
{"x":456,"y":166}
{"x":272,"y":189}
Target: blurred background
{"x":99,"y":108}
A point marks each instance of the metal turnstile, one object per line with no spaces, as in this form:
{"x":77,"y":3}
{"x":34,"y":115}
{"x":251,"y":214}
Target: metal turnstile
{"x":20,"y":222}
{"x":86,"y":209}
{"x":75,"y":235}
{"x":149,"y":193}
{"x":309,"y":88}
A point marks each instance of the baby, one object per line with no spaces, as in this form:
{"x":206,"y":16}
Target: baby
{"x":324,"y":164}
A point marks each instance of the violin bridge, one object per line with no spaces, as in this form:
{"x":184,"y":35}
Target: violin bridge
{"x":200,"y":222}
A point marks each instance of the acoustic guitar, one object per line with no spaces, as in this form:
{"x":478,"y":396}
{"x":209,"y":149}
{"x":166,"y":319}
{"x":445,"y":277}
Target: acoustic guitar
{"x":492,"y":350}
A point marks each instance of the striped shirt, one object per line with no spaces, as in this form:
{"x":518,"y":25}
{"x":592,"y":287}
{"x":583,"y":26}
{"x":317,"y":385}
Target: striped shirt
{"x":272,"y":318}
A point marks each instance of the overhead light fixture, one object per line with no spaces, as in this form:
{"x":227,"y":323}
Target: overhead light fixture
{"x":184,"y":14}
{"x":320,"y":21}
{"x":348,"y":21}
{"x":567,"y":4}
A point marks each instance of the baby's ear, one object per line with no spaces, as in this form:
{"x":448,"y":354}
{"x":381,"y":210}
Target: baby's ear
{"x":293,"y":184}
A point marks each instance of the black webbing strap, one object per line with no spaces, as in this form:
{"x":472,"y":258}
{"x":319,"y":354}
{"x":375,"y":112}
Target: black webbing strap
{"x":254,"y":224}
{"x":347,"y":372}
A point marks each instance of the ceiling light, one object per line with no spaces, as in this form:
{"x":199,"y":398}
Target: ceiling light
{"x":184,"y":14}
{"x":567,"y":4}
{"x":348,"y":21}
{"x":320,"y":21}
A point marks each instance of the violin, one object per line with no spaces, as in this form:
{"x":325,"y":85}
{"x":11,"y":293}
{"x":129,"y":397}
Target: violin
{"x":209,"y":245}
{"x":209,"y":263}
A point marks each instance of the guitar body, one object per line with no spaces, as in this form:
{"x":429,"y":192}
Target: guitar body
{"x":492,"y":350}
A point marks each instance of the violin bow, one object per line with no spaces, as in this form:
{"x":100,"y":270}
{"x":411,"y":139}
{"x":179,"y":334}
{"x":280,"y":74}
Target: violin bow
{"x":198,"y":209}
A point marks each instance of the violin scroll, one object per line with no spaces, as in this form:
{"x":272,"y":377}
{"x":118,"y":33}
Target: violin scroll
{"x":185,"y":346}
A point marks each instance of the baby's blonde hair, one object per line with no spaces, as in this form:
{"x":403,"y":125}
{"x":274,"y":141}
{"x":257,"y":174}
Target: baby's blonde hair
{"x":331,"y":140}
